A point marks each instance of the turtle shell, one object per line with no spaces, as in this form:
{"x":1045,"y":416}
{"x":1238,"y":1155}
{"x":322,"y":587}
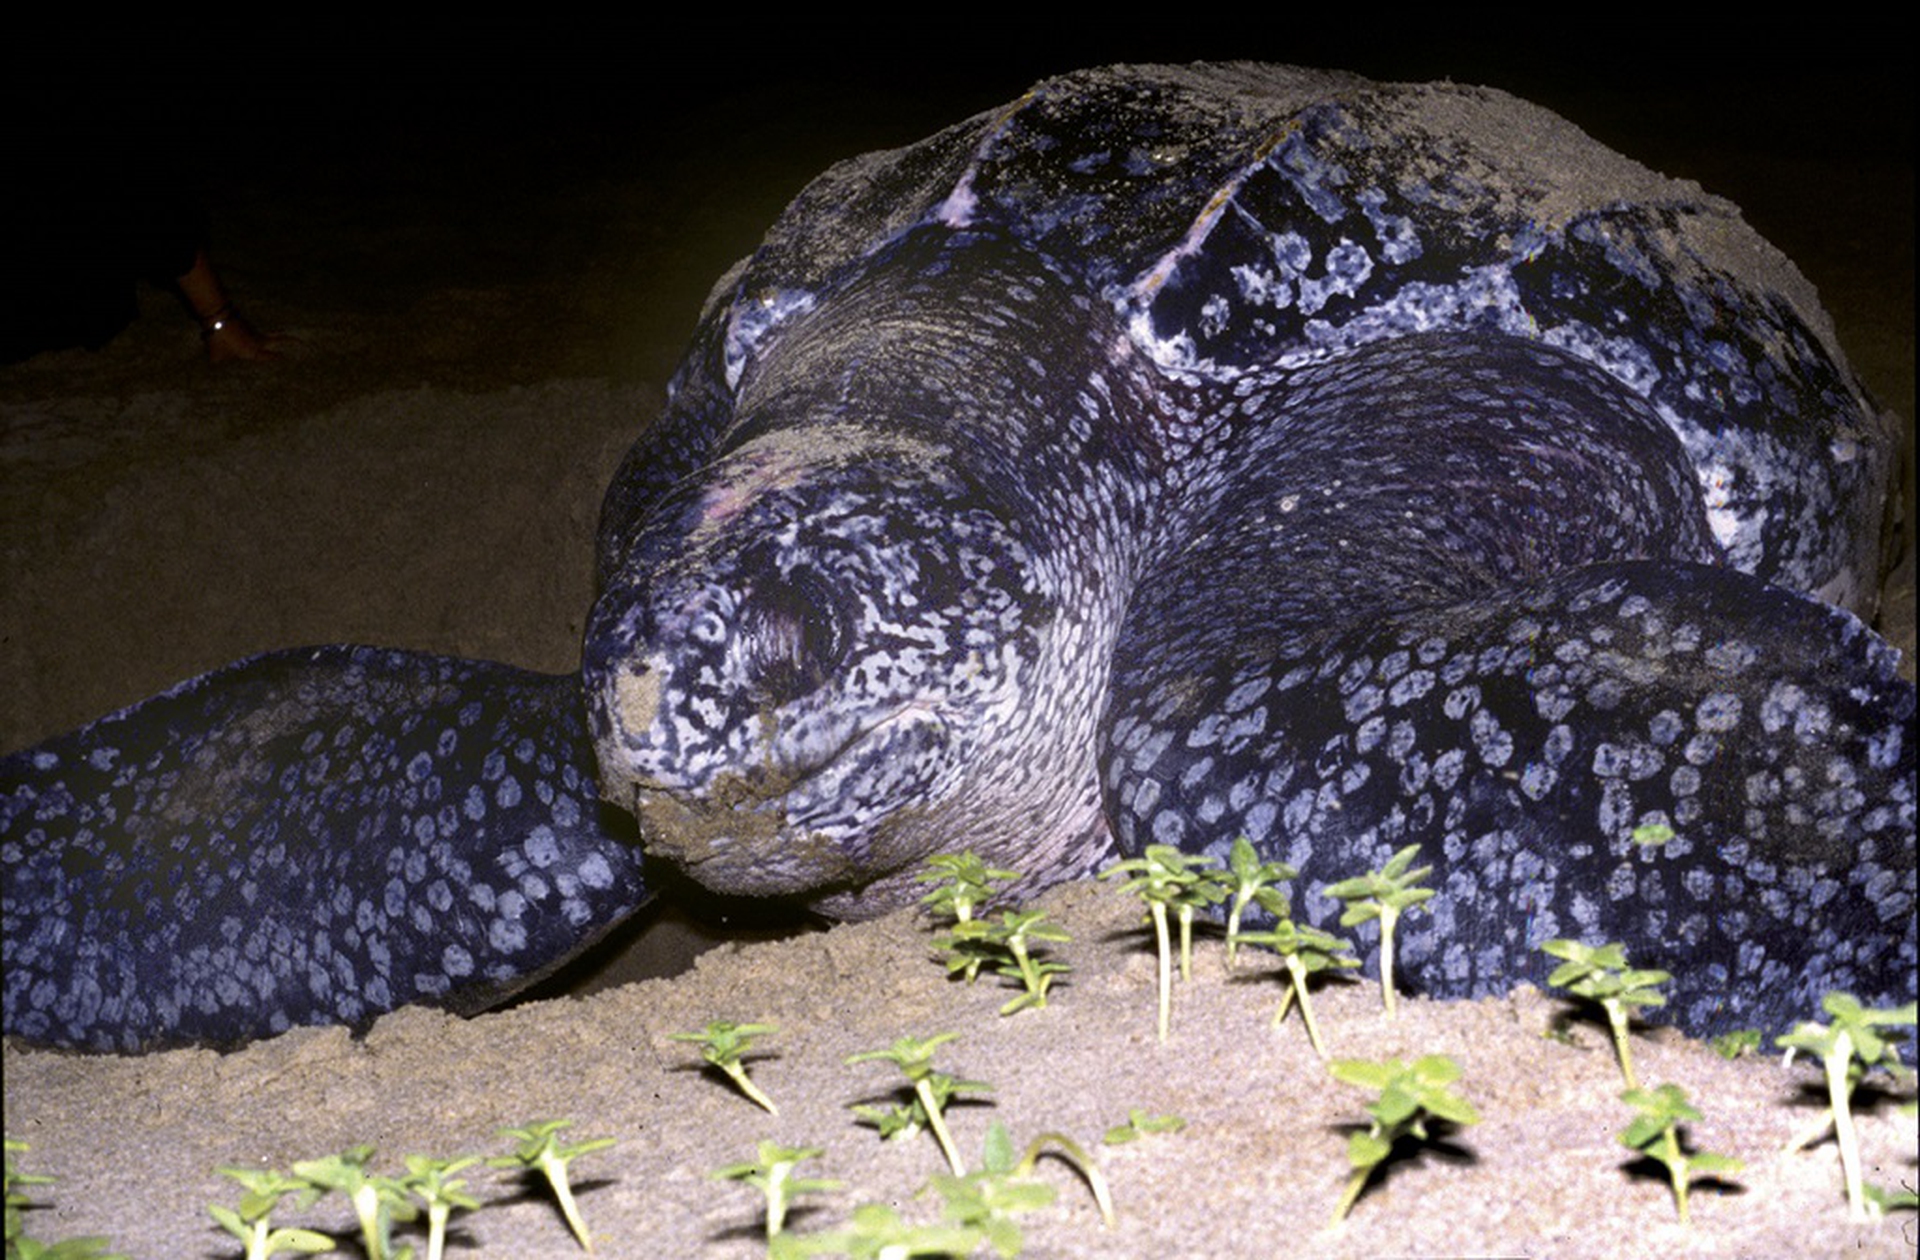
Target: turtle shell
{"x":1245,"y":218}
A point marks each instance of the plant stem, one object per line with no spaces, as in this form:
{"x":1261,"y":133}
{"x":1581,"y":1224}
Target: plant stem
{"x":1617,"y":1019}
{"x":1355,"y":1184}
{"x":1076,"y":1155}
{"x":1388,"y":916}
{"x":937,"y":1122}
{"x":1159,"y":910}
{"x":366,"y":1206}
{"x":1843,"y":1131}
{"x":1298,"y":971}
{"x":1677,"y":1169}
{"x":738,"y":1075}
{"x":437,"y":1214}
{"x":556,"y":1171}
{"x":1186,"y":942}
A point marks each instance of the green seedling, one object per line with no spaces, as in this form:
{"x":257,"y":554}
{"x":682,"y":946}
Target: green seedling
{"x":723,"y":1044}
{"x":1008,"y":946}
{"x":1385,"y":895}
{"x":377,"y":1201}
{"x":1303,"y":951}
{"x":264,"y":1188}
{"x":1016,"y":933}
{"x":1848,"y":1048}
{"x":964,"y":884}
{"x":1154,"y":884}
{"x":774,"y":1175}
{"x":932,"y":1090}
{"x":986,"y":1199}
{"x":16,"y":1201}
{"x":876,"y":1232}
{"x":89,"y":1247}
{"x":21,"y":1246}
{"x":1254,"y":883}
{"x":1408,"y":1095}
{"x":986,"y":1203}
{"x":1139,"y":1124}
{"x":1655,"y":1133}
{"x":537,"y":1148}
{"x":896,"y":1124}
{"x":432,"y":1182}
{"x":968,"y":948}
{"x":1602,"y":975}
{"x":1065,"y":1148}
{"x":1737,"y":1044}
{"x":1199,"y":889}
{"x":1165,"y":876}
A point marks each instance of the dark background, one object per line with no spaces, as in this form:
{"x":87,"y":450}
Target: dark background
{"x":726,"y":116}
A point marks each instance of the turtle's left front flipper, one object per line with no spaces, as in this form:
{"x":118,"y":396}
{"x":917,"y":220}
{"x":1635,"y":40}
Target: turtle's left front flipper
{"x":308,"y":836}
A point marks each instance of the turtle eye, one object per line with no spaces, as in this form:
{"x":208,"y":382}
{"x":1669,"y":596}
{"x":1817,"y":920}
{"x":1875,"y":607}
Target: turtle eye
{"x":792,"y":638}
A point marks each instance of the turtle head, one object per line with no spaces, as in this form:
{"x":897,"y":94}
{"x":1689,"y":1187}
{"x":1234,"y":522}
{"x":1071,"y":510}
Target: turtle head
{"x":800,"y":671}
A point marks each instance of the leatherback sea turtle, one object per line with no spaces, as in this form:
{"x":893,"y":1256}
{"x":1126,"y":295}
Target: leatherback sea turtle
{"x":1172,"y":455}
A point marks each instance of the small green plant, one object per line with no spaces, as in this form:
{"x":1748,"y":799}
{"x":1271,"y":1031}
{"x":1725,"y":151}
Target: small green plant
{"x":1254,"y":883}
{"x":1139,"y":1124}
{"x":932,"y":1090}
{"x":986,"y":1202}
{"x":968,"y":948}
{"x":1737,"y":1044}
{"x":963,"y":884}
{"x":432,"y":1182}
{"x":1385,"y":895}
{"x":537,"y":1148}
{"x":1013,"y":938}
{"x":723,"y":1045}
{"x":1199,"y":889}
{"x":896,"y":1124}
{"x":1303,"y":951}
{"x":377,"y":1201}
{"x":1848,"y":1048}
{"x":89,"y":1247}
{"x":264,"y":1189}
{"x":1655,"y":1133}
{"x":876,"y":1232}
{"x":22,"y":1246}
{"x":773,"y":1175}
{"x":1062,"y":1147}
{"x":988,"y":1198}
{"x":1408,"y":1095}
{"x":1165,"y":877}
{"x":1601,"y":975}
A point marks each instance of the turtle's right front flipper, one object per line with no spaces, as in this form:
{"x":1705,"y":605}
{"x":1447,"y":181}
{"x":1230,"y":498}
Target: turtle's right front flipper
{"x":1453,"y":596}
{"x":308,"y":836}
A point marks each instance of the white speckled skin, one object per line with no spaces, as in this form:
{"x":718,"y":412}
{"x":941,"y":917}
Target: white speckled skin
{"x":310,"y":836}
{"x":1174,"y":454}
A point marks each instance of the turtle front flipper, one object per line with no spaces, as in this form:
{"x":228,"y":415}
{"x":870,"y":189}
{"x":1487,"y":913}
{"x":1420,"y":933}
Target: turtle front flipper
{"x":308,"y":836}
{"x":1712,"y":771}
{"x":1469,"y":613}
